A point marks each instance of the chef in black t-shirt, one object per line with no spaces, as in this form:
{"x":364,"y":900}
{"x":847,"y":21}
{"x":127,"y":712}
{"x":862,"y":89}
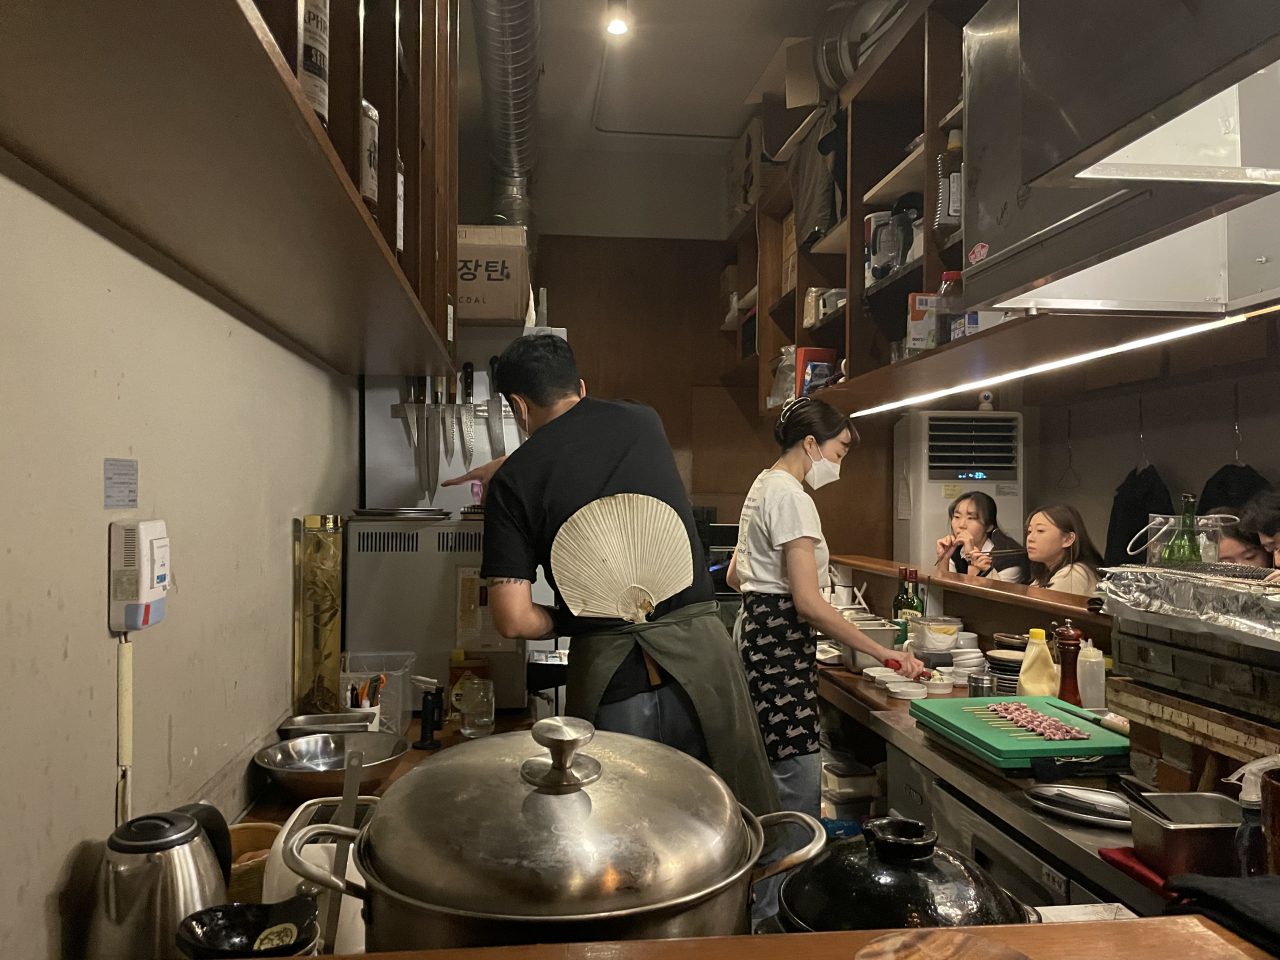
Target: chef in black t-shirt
{"x":677,"y":678}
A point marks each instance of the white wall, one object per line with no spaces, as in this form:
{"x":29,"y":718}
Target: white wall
{"x":1188,"y":432}
{"x":102,"y":356}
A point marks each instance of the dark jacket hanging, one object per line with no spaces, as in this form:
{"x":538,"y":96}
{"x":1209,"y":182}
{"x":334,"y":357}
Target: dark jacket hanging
{"x":1140,"y":495}
{"x":1231,"y":487}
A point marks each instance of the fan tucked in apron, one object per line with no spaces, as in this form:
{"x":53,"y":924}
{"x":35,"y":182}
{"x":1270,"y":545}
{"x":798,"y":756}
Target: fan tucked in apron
{"x":618,"y":558}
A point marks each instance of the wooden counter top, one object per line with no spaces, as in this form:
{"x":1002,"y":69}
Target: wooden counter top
{"x":986,"y":606}
{"x":1155,"y":938}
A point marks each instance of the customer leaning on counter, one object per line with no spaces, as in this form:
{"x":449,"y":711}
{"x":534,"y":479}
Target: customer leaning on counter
{"x":1062,"y":555}
{"x":1238,"y":546}
{"x":1261,"y":518}
{"x":781,"y":567}
{"x":977,"y":545}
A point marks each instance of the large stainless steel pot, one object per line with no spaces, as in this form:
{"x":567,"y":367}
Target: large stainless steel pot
{"x":495,"y":842}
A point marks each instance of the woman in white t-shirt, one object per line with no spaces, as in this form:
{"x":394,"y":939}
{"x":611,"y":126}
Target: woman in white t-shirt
{"x":1062,"y":555}
{"x":781,"y":569}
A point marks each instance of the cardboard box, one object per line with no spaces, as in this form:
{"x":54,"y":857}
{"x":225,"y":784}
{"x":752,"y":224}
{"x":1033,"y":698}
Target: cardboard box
{"x":922,"y":321}
{"x":808,"y":355}
{"x":493,"y":273}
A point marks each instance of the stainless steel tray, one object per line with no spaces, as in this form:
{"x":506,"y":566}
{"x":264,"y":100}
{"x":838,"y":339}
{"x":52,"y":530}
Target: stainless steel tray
{"x":1035,"y":797}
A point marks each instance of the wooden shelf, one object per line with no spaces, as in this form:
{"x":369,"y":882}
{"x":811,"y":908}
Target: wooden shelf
{"x":783,"y":310}
{"x":894,"y":71}
{"x":904,"y":178}
{"x":836,"y":240}
{"x":954,"y":120}
{"x":904,"y":272}
{"x":1007,"y":348}
{"x":207,"y":154}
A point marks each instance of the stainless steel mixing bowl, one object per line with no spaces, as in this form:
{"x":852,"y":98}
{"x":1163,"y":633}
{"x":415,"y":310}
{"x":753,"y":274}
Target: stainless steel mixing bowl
{"x":312,"y":767}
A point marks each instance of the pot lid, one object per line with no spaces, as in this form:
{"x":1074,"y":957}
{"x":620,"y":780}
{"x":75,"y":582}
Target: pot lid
{"x":898,"y":877}
{"x":529,"y":824}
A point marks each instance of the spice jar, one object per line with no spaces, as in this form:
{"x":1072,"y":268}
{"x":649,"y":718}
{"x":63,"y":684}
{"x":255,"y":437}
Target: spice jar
{"x":1068,"y":640}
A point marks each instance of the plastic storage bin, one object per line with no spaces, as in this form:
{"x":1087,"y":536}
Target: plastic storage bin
{"x":396,"y":697}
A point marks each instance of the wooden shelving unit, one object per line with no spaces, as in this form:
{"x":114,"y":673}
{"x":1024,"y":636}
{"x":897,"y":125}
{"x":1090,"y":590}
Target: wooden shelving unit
{"x":954,"y":118}
{"x":904,"y":178}
{"x":1011,"y":346}
{"x":206,"y":153}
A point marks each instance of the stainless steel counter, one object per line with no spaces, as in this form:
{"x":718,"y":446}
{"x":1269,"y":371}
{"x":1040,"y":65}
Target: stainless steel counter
{"x":1075,"y":845}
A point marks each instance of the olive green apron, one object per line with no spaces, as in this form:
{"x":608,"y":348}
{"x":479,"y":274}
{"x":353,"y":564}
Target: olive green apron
{"x":693,"y":646}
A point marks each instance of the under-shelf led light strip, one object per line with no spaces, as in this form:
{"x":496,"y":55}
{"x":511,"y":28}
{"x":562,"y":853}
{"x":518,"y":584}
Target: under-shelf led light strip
{"x":1052,"y":365}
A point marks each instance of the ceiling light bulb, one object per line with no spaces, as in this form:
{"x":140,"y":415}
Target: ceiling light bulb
{"x":617,"y":17}
{"x":617,"y":26}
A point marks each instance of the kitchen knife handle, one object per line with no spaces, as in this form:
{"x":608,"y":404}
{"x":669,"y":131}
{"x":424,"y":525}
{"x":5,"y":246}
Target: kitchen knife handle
{"x":468,"y":381}
{"x":493,"y":377}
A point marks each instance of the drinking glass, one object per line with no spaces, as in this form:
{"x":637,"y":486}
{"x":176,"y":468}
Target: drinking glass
{"x":477,"y":708}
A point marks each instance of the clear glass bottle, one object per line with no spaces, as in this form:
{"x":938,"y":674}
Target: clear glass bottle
{"x":1184,"y":547}
{"x":313,"y":64}
{"x":947,"y":215}
{"x":317,"y":622}
{"x":369,"y":157}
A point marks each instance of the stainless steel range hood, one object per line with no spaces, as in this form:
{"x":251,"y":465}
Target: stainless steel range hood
{"x":1110,"y":149}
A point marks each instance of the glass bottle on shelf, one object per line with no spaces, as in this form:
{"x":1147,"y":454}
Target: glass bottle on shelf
{"x":313,"y":64}
{"x":317,"y":622}
{"x":368,"y":157}
{"x":1184,"y":546}
{"x":399,"y":205}
{"x":946,"y":217}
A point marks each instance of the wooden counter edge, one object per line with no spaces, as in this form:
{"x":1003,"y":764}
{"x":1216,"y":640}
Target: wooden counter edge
{"x":1017,"y":594}
{"x":1149,"y":938}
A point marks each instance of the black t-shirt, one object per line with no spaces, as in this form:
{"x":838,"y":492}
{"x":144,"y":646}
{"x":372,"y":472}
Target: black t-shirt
{"x":597,"y":448}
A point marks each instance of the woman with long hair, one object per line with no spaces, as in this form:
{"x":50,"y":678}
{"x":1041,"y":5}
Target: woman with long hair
{"x":1062,"y":555}
{"x":781,"y":569}
{"x":977,"y":545}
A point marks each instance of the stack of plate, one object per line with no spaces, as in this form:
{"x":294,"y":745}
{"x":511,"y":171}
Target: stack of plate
{"x":1005,"y":665}
{"x":1010,"y":641}
{"x":967,"y":659}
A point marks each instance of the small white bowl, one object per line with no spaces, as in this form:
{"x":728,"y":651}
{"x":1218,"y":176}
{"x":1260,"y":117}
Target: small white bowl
{"x":939,"y":687}
{"x":967,"y":659}
{"x":884,"y":679}
{"x":873,"y":672}
{"x":966,"y":640}
{"x":908,"y":691}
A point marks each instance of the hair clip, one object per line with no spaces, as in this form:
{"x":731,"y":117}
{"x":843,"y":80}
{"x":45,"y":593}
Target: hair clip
{"x":791,"y":405}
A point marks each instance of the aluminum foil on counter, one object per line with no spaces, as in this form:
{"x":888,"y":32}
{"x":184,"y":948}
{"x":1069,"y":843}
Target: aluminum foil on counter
{"x":1247,"y":610}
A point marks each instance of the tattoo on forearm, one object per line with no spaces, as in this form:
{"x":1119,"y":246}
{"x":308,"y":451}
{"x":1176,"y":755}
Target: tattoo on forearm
{"x":494,"y":580}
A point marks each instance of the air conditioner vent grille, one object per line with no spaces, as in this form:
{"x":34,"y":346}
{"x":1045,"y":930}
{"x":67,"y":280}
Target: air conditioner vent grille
{"x":459,"y":541}
{"x":973,"y":448}
{"x":386,"y":541}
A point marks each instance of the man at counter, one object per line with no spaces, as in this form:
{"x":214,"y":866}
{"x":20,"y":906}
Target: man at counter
{"x":676,"y":679}
{"x":1261,"y":518}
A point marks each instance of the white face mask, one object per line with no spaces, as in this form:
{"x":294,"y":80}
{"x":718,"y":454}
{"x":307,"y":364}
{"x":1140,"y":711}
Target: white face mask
{"x":821,"y":472}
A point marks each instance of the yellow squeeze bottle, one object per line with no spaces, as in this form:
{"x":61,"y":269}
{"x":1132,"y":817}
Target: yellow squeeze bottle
{"x":1039,"y":674}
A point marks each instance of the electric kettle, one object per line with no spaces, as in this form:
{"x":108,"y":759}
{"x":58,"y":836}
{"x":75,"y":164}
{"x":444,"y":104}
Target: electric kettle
{"x":157,"y":870}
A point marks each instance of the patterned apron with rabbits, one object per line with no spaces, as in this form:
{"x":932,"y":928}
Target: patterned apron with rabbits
{"x":778,"y":653}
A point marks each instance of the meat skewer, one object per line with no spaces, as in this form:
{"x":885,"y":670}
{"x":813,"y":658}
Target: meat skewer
{"x":1045,"y":726}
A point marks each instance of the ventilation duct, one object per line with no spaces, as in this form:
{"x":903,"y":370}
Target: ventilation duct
{"x":507,"y":44}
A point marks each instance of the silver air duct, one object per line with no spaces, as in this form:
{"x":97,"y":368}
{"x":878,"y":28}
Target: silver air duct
{"x":507,"y":43}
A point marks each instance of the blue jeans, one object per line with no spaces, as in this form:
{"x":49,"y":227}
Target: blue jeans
{"x":799,"y":781}
{"x":665,"y":714}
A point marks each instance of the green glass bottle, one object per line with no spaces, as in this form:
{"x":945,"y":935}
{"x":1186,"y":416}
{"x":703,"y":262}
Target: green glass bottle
{"x":903,"y":599}
{"x":917,"y":595}
{"x":1185,"y":546}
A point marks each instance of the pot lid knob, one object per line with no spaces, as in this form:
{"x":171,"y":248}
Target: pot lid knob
{"x":562,"y":771}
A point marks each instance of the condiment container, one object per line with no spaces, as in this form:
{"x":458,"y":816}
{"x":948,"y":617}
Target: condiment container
{"x":982,"y":685}
{"x":1039,"y":674}
{"x":1068,"y":640}
{"x":1091,"y":675}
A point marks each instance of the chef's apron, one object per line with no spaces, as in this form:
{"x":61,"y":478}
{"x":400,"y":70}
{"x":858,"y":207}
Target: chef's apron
{"x":693,"y":646}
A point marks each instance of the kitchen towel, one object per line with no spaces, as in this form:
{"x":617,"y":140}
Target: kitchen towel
{"x":1248,"y":907}
{"x":1141,"y":494}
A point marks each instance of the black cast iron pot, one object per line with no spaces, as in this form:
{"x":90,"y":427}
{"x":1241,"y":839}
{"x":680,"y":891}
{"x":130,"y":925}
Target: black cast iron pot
{"x":899,"y":877}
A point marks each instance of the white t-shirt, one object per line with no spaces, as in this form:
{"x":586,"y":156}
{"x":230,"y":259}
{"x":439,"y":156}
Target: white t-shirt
{"x":777,"y":510}
{"x":1074,"y":578}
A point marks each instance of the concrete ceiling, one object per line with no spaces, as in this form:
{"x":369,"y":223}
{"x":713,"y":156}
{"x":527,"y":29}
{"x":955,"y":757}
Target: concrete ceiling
{"x":635,"y":130}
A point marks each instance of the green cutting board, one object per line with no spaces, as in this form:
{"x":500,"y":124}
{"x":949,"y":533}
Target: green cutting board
{"x":962,"y":720}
